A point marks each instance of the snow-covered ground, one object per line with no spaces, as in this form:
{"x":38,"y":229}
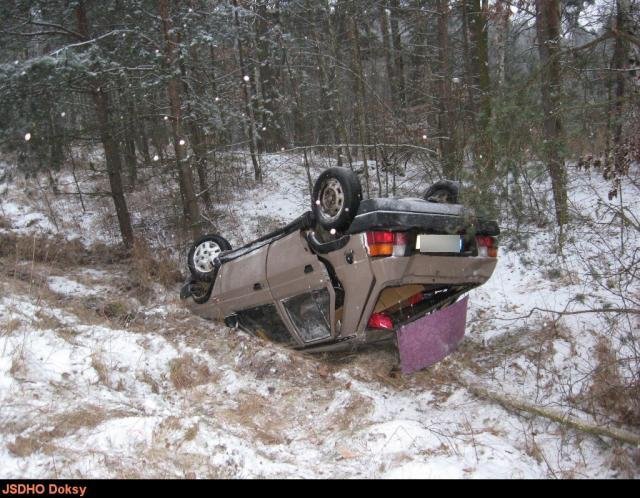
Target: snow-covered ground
{"x":96,"y":381}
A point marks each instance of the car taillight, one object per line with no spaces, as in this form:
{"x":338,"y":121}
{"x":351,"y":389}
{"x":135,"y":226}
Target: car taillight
{"x":380,"y":321}
{"x":383,"y":243}
{"x":487,"y":246}
{"x":416,"y":299}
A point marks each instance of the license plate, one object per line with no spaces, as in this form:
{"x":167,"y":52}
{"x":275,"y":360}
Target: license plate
{"x":439,"y":243}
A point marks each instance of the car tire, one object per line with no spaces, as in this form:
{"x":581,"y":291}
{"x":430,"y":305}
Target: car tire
{"x":201,"y":291}
{"x":443,"y":192}
{"x":336,"y":197}
{"x":202,"y":254}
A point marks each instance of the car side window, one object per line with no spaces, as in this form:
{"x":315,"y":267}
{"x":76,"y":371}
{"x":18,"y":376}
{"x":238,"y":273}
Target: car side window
{"x":309,"y":312}
{"x":265,"y":322}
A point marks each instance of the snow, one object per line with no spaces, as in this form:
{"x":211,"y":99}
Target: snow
{"x":65,"y":285}
{"x":120,"y":434}
{"x":24,"y":206}
{"x":167,"y":394}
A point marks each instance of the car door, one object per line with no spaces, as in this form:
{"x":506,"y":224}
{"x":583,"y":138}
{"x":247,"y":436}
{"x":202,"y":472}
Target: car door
{"x":242,"y":282}
{"x":301,"y":288}
{"x":243,"y":293}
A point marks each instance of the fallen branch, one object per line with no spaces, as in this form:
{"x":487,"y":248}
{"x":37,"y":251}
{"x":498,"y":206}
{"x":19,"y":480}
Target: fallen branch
{"x":515,"y":404}
{"x":576,"y":312}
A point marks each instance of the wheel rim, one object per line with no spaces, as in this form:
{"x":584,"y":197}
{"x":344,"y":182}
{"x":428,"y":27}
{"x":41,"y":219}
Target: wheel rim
{"x":331,"y":199}
{"x":205,"y":254}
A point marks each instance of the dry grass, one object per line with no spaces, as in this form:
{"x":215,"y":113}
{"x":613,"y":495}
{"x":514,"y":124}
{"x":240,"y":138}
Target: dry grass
{"x":186,"y":372}
{"x":535,"y":342}
{"x":42,"y":249}
{"x":625,"y":461}
{"x":148,"y":379}
{"x":101,"y":368}
{"x":57,"y":250}
{"x":68,"y":334}
{"x":24,"y":446}
{"x":153,"y":265}
{"x":440,"y":379}
{"x":47,"y":321}
{"x":63,"y":424}
{"x":117,"y":311}
{"x":18,"y":365}
{"x":255,"y":413}
{"x":609,"y":392}
{"x":354,"y":412}
{"x":89,"y":416}
{"x":5,"y":223}
{"x":10,"y":326}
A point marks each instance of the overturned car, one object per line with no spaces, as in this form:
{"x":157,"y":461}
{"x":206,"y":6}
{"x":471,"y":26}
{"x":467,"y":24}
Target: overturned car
{"x":352,"y":272}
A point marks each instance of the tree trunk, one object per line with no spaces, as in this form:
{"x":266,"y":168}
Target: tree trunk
{"x":56,"y":151}
{"x":201,"y":164}
{"x":114,"y":166}
{"x":336,"y":105}
{"x":140,"y":129}
{"x":399,"y":86}
{"x":328,"y":95}
{"x":619,"y":59}
{"x":417,"y":91}
{"x":128,"y":138}
{"x":548,"y":29}
{"x":196,"y":134}
{"x":447,"y":138}
{"x":482,"y":83}
{"x":503,"y":13}
{"x":359,"y":91}
{"x":190,"y":203}
{"x":388,"y":59}
{"x":250,"y":125}
{"x":271,"y":130}
{"x":111,"y":150}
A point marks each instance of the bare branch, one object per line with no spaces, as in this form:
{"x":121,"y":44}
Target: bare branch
{"x":58,"y":27}
{"x":627,"y":36}
{"x":34,"y":33}
{"x":576,"y":312}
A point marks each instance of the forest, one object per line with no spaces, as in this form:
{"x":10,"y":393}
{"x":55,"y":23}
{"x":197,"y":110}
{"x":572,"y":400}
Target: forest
{"x":473,"y":90}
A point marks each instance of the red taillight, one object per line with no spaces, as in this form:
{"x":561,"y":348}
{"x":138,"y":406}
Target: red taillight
{"x":380,"y":238}
{"x":380,"y":321}
{"x":415,"y":299}
{"x":487,"y":246}
{"x":384,"y":243}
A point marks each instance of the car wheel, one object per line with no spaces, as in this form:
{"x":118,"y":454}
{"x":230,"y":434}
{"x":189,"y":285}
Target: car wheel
{"x":201,"y":291}
{"x":202,"y":255}
{"x":336,"y":197}
{"x":443,"y":192}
